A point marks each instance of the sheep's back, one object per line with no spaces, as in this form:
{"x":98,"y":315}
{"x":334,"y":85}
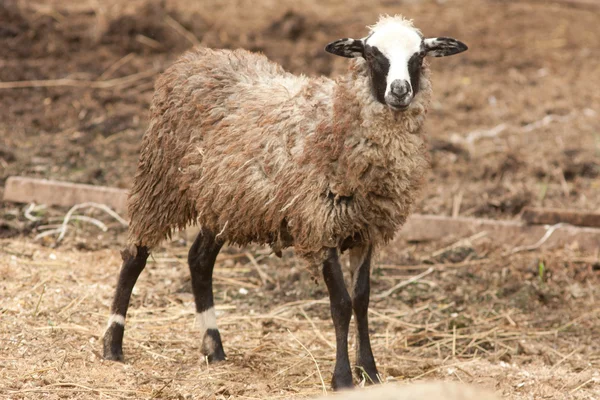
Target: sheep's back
{"x":238,"y":125}
{"x":195,"y":102}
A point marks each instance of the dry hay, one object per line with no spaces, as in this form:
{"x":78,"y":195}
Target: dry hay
{"x":485,"y":320}
{"x":526,"y":325}
{"x":420,"y":391}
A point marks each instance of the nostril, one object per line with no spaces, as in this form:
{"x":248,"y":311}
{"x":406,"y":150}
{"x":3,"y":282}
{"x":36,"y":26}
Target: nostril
{"x":400,"y":89}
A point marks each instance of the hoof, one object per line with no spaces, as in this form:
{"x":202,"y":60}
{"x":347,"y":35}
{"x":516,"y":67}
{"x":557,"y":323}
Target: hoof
{"x":113,"y":343}
{"x":342,"y":382}
{"x":113,"y":356}
{"x":212,"y":347}
{"x":112,"y":352}
{"x":216,"y":357}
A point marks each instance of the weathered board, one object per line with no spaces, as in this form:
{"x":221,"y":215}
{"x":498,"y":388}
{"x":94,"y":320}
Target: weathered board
{"x":418,"y":228}
{"x":20,"y":189}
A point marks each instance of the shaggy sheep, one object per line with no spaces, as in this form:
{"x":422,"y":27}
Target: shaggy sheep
{"x":418,"y":391}
{"x":255,"y":154}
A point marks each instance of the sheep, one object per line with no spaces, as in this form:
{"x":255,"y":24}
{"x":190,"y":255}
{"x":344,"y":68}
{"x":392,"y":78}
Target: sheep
{"x":418,"y":391}
{"x":252,"y":153}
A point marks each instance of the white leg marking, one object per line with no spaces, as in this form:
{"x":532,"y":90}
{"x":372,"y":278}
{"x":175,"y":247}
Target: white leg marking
{"x":206,"y":320}
{"x":115,"y":319}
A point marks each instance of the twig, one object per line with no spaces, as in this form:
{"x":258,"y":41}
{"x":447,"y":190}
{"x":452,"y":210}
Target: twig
{"x":565,"y":358}
{"x":117,"y":82}
{"x":467,"y":263}
{"x":145,"y":40}
{"x":593,"y":378}
{"x":264,"y":277}
{"x":404,"y":283}
{"x":474,"y":136}
{"x":75,"y":385}
{"x":177,"y":27}
{"x":453,"y":340}
{"x":540,"y":242}
{"x":546,"y":121}
{"x":114,"y":67}
{"x":92,"y":221}
{"x":37,"y":306}
{"x":72,"y":304}
{"x":159,"y":391}
{"x":47,"y":233}
{"x":236,"y":282}
{"x":316,"y":330}
{"x":458,"y":243}
{"x":32,"y":208}
{"x":69,"y":216}
{"x":456,"y":202}
{"x":50,"y":226}
{"x":483,"y":133}
{"x":314,"y":360}
{"x":440,"y":367}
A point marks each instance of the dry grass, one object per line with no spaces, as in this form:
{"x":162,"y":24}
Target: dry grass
{"x":494,"y":323}
{"x":526,"y":325}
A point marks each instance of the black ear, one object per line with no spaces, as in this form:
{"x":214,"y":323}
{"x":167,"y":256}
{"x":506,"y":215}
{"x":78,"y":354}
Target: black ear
{"x":443,"y":46}
{"x":346,"y":47}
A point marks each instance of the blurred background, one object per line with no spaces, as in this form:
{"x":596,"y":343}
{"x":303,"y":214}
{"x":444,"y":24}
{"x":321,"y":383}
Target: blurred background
{"x":515,"y":122}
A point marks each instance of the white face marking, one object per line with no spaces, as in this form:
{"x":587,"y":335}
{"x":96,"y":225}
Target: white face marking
{"x":398,"y":42}
{"x":115,"y":319}
{"x":206,"y":320}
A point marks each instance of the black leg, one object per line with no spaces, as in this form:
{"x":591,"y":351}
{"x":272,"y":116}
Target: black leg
{"x":360,"y":261}
{"x":130,"y":271}
{"x":341,"y":312}
{"x":201,"y":259}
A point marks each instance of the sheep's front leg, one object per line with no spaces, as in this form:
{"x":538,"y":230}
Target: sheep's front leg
{"x":201,"y":259}
{"x":341,"y":311}
{"x":133,"y":265}
{"x":360,"y":263}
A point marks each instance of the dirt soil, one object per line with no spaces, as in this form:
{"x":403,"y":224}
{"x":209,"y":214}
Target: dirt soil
{"x":515,"y":122}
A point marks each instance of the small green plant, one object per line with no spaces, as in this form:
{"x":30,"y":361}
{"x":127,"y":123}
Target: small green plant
{"x":366,"y":376}
{"x":541,"y":270}
{"x":543,"y":190}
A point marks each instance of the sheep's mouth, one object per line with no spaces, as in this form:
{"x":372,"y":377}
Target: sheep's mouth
{"x":398,"y":107}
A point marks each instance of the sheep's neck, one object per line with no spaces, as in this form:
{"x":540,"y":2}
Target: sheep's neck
{"x":355,"y":106}
{"x":367,"y":141}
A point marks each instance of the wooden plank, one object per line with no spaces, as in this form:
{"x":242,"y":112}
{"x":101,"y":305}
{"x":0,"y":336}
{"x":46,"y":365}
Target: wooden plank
{"x":418,"y":228}
{"x":20,"y":189}
{"x":580,"y":4}
{"x":551,"y":216}
{"x":423,"y":228}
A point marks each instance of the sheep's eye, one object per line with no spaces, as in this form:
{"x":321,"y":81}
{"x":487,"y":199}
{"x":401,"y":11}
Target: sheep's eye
{"x":417,"y":59}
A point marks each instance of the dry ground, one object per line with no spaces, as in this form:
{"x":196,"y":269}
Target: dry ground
{"x":515,"y":122}
{"x":494,"y":321}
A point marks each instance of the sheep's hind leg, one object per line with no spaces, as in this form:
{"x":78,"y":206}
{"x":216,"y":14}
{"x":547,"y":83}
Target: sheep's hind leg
{"x":341,"y":311}
{"x":133,"y":265}
{"x":360,"y":261}
{"x":201,"y":259}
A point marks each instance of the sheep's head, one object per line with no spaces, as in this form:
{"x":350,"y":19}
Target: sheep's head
{"x":394,"y":51}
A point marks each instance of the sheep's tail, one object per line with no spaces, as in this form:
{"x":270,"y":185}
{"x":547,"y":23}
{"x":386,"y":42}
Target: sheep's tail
{"x":156,"y":214}
{"x":158,"y":202}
